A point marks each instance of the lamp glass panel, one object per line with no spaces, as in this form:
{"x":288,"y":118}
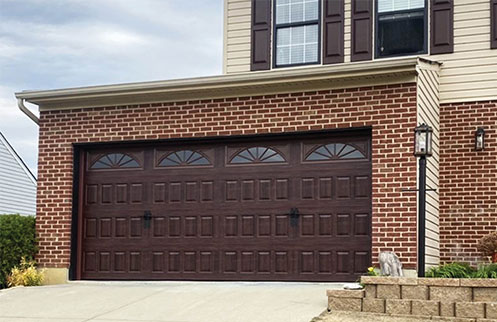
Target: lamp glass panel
{"x":421,"y":142}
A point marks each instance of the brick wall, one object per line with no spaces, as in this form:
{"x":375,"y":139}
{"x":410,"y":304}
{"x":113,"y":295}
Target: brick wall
{"x":468,"y":179}
{"x":390,"y":110}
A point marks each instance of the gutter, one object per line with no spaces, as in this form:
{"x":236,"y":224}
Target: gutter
{"x":25,"y":110}
{"x":240,"y":84}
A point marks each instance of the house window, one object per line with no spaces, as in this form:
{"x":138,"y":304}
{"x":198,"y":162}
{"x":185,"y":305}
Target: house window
{"x":296,"y":32}
{"x":400,"y":27}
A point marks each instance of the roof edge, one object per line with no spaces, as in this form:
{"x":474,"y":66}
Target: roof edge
{"x":18,"y":158}
{"x":223,"y":83}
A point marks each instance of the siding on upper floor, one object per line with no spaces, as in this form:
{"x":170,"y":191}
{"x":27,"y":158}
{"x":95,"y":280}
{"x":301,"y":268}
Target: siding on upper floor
{"x":468,"y":74}
{"x":347,"y":30}
{"x":429,"y":113}
{"x":237,"y":25}
{"x":17,"y":186}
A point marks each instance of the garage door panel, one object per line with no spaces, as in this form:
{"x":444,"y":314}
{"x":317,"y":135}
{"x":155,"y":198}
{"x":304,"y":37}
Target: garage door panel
{"x":106,"y":194}
{"x":261,"y":210}
{"x":259,"y":189}
{"x":341,"y":224}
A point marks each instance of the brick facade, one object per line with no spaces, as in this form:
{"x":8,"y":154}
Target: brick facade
{"x":389,"y":110}
{"x":468,"y":179}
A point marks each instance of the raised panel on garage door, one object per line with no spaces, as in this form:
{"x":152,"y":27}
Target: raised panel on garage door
{"x":296,"y":208}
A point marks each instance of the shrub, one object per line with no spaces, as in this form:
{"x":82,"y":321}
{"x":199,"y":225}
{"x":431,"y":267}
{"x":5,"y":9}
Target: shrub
{"x":17,"y":240}
{"x":25,"y":274}
{"x":452,"y":270}
{"x":488,"y":244}
{"x":486,"y":271}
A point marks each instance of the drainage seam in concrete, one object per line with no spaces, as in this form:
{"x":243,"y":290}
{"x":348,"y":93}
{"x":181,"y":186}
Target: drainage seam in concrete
{"x":123,"y":306}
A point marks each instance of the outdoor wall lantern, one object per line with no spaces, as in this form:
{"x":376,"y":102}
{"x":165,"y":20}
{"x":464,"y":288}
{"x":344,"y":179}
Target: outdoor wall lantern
{"x":480,"y":139}
{"x":423,"y":140}
{"x":422,"y":149}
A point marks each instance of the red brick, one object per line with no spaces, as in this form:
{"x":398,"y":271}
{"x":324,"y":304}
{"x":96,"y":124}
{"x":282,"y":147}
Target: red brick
{"x":384,"y":108}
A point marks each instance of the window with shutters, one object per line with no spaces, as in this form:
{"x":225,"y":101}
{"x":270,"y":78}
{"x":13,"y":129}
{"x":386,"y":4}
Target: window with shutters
{"x":296,"y":32}
{"x":401,"y":27}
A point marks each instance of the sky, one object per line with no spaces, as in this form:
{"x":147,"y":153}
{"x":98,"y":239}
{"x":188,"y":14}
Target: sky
{"x":48,"y":44}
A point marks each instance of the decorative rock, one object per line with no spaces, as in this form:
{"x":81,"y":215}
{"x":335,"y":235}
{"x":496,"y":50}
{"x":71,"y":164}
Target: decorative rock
{"x":373,"y":305}
{"x":352,"y":286}
{"x":491,"y":310}
{"x":470,"y":309}
{"x":419,"y":292}
{"x":388,"y":291}
{"x":390,"y":264}
{"x":344,"y":304}
{"x":485,"y":294}
{"x":398,"y":307}
{"x":450,"y":294}
{"x":426,"y":307}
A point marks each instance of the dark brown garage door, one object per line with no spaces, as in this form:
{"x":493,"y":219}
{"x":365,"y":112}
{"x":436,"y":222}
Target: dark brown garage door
{"x":283,"y":209}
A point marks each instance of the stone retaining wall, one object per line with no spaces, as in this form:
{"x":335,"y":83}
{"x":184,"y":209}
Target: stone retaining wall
{"x":464,"y":300}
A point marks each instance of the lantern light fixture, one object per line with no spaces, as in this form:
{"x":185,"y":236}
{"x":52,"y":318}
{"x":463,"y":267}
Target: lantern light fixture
{"x":480,"y":139}
{"x":423,"y":140}
{"x":422,"y":149}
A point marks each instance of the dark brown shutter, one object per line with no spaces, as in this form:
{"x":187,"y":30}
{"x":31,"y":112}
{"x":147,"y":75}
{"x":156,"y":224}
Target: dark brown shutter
{"x":493,"y":24}
{"x":362,"y":34}
{"x":442,"y":26}
{"x":333,"y":22}
{"x":261,"y":35}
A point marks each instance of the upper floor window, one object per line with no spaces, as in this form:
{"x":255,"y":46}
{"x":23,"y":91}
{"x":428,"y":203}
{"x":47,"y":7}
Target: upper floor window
{"x":296,"y":32}
{"x":400,"y":27}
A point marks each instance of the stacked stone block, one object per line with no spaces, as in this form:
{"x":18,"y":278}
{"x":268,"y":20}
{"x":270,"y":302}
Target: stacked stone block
{"x":464,"y":300}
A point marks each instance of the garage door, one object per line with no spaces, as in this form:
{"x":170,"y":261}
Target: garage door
{"x":294,"y":209}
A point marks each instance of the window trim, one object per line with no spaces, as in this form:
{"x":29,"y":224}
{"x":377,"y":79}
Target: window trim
{"x":376,"y":30}
{"x":295,"y":24}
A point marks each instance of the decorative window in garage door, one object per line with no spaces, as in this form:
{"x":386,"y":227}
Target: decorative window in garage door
{"x":258,"y":154}
{"x":336,"y":151}
{"x":115,"y":161}
{"x":183,"y":158}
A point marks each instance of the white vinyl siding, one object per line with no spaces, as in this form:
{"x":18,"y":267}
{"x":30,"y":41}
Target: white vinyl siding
{"x":17,"y":188}
{"x":347,"y":29}
{"x":237,"y":14}
{"x":470,"y":73}
{"x":428,"y":113}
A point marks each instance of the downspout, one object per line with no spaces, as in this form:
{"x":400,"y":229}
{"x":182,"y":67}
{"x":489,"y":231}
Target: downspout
{"x":25,"y":110}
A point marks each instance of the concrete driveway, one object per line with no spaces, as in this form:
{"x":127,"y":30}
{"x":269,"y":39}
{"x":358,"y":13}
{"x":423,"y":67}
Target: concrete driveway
{"x":165,"y":301}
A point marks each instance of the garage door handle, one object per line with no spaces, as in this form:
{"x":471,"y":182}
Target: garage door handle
{"x":147,"y":217}
{"x":294,"y":217}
